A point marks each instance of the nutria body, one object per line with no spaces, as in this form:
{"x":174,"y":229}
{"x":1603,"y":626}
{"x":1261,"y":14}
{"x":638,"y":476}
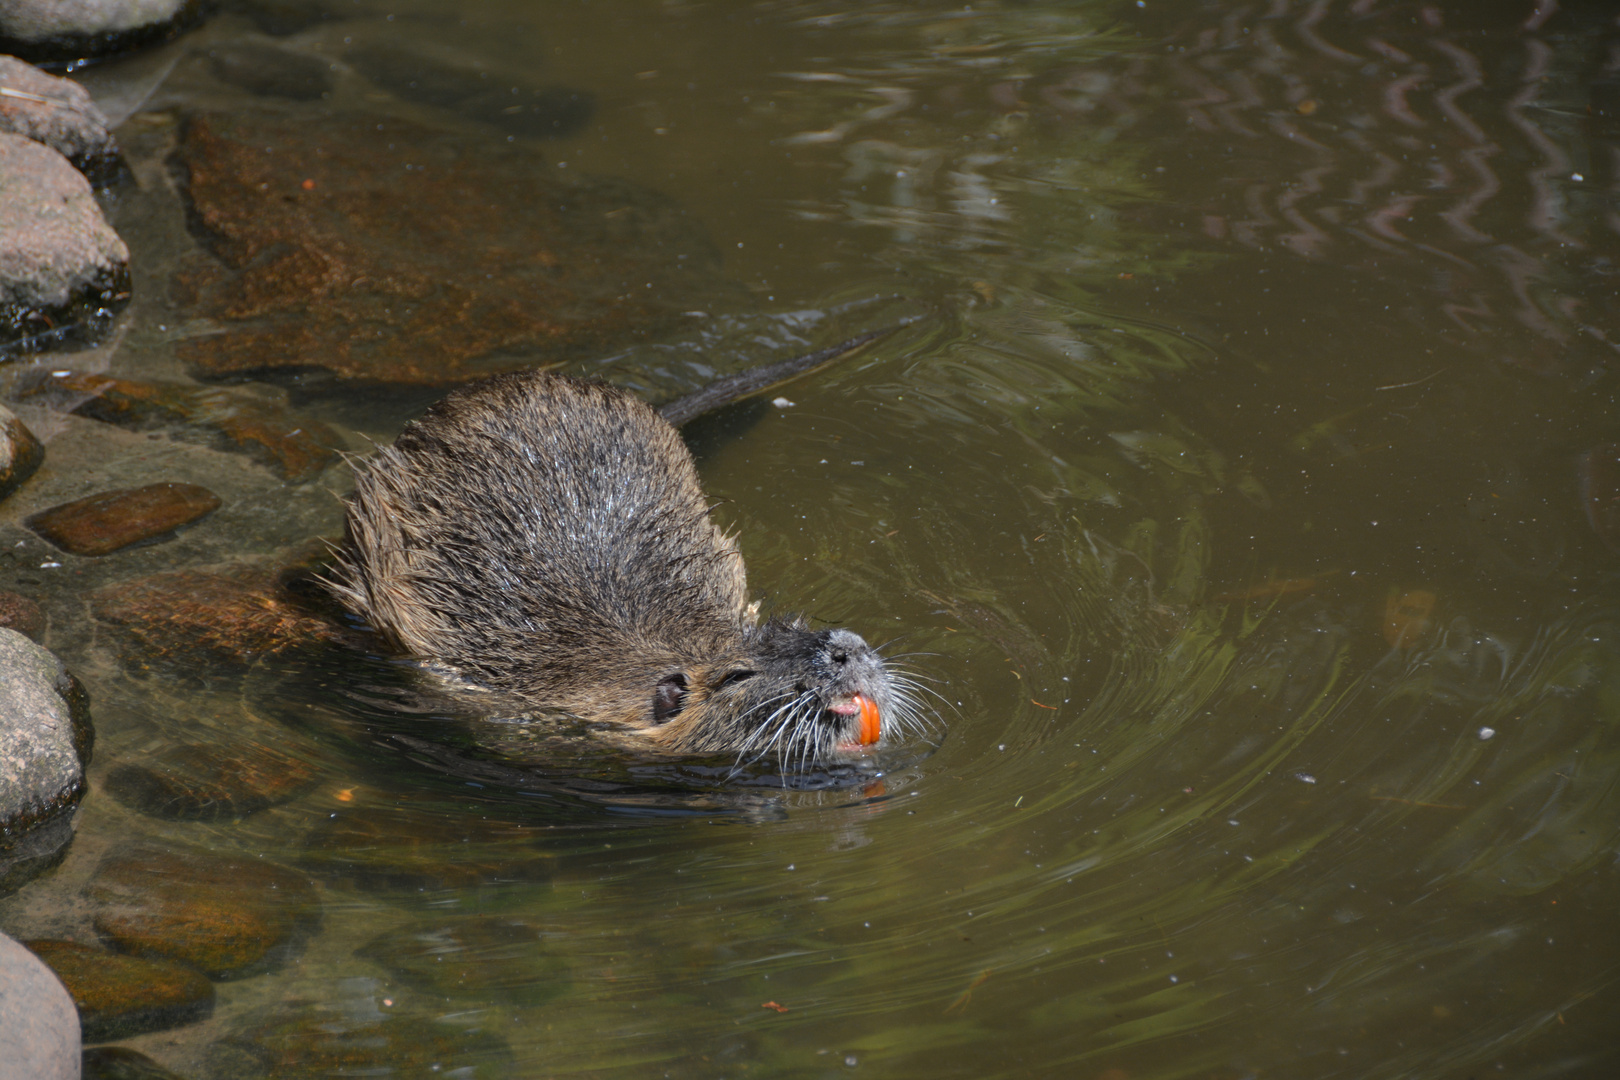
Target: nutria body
{"x":547,"y":537}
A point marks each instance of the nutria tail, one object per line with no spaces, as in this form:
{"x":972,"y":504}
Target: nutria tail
{"x":758,"y":380}
{"x":548,"y":538}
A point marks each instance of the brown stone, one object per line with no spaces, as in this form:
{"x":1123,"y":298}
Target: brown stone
{"x":21,"y":614}
{"x":377,"y":250}
{"x":118,"y":996}
{"x":20,"y":452}
{"x":188,"y":782}
{"x":224,"y":918}
{"x":235,"y":615}
{"x":296,"y":448}
{"x":103,"y":523}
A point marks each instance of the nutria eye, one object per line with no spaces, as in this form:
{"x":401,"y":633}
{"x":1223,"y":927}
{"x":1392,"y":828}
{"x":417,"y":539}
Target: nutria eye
{"x":735,"y":677}
{"x":669,"y":697}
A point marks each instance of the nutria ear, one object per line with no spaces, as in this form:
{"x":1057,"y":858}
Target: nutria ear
{"x":751,"y":614}
{"x":669,"y":697}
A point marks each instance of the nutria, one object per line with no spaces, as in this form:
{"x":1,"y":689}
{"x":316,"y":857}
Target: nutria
{"x":546,"y":537}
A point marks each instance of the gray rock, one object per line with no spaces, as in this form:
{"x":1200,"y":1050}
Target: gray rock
{"x":54,"y":31}
{"x":58,"y":113}
{"x":20,"y":452}
{"x":39,"y":1026}
{"x":45,"y":740}
{"x":63,"y":271}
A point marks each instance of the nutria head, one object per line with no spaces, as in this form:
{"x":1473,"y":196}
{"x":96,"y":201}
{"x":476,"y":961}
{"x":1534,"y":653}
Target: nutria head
{"x":788,"y":691}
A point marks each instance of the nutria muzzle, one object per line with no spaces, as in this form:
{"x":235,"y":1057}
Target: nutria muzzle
{"x":801,"y":695}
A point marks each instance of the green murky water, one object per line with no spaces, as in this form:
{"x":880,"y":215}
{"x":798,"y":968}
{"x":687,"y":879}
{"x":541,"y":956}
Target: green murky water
{"x":1240,"y":481}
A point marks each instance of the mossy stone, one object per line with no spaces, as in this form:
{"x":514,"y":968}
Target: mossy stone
{"x":223,"y":917}
{"x":119,"y":996}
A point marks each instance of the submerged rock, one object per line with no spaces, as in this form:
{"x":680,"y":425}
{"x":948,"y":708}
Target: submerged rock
{"x":59,"y":113}
{"x":39,"y":1027}
{"x":19,"y":613}
{"x":224,"y":918}
{"x":402,"y":849}
{"x":30,"y":853}
{"x":522,"y":108}
{"x":20,"y":452}
{"x":208,"y":782}
{"x":119,"y":996}
{"x":270,"y":71}
{"x":279,"y":18}
{"x":122,"y":1063}
{"x":234,"y":615}
{"x":372,"y":249}
{"x":63,"y":271}
{"x":363,"y":1032}
{"x":101,"y":524}
{"x":296,"y":448}
{"x":60,"y":31}
{"x":45,"y":742}
{"x":485,"y":958}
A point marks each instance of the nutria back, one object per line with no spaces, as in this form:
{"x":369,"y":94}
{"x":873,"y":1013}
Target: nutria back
{"x":547,"y":537}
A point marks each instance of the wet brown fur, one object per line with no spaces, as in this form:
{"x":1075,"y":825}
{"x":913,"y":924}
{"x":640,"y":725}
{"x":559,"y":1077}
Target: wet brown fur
{"x":548,"y":537}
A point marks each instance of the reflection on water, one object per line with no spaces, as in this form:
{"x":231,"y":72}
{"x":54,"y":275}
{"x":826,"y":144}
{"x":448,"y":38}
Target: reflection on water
{"x":1230,"y":490}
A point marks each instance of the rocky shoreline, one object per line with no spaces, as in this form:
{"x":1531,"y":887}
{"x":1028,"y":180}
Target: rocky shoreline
{"x":64,"y":272}
{"x":174,"y":417}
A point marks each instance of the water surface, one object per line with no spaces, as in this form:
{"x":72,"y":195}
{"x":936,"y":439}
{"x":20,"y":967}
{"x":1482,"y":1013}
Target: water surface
{"x":1239,"y":479}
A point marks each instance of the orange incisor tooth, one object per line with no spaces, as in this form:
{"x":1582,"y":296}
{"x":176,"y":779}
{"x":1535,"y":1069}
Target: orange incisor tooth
{"x":871,"y":721}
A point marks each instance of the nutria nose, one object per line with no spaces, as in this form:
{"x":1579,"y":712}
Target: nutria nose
{"x":844,"y":645}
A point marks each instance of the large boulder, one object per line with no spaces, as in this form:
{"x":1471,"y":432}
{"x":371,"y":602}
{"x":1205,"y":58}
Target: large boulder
{"x":45,"y":739}
{"x":59,"y":113}
{"x":62,"y":31}
{"x":39,"y":1027}
{"x":63,"y":271}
